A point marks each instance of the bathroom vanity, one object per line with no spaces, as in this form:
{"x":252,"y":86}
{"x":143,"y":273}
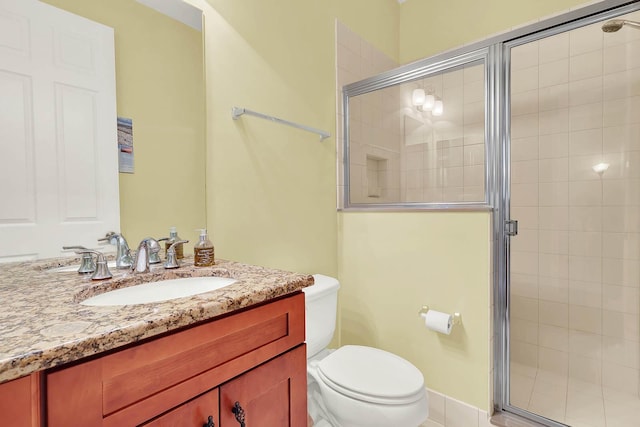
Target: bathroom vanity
{"x":205,"y":360}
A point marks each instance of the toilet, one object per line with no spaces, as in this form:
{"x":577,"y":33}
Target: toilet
{"x":356,"y":386}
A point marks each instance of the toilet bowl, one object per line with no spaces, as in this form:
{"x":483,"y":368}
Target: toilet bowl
{"x":358,"y":385}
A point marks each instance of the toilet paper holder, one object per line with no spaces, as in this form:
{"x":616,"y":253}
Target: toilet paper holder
{"x":457,"y":317}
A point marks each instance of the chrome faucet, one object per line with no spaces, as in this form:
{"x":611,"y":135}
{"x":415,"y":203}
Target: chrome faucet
{"x":86,"y":263}
{"x":123,"y":254}
{"x":147,"y":252}
{"x":102,"y":270}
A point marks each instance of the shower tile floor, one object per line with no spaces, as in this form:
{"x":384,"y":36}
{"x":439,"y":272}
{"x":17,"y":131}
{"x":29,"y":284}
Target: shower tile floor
{"x":571,"y":401}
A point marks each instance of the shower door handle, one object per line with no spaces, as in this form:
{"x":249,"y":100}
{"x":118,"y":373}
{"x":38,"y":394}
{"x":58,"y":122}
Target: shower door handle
{"x":511,"y":227}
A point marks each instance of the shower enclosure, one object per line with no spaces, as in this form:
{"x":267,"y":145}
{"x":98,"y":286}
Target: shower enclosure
{"x":574,"y":276}
{"x":541,"y":125}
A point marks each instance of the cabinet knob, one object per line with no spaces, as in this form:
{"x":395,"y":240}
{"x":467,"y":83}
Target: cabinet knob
{"x":239,"y":413}
{"x":209,"y":422}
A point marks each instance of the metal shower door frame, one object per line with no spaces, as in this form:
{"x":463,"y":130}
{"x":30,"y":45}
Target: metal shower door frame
{"x":480,"y":53}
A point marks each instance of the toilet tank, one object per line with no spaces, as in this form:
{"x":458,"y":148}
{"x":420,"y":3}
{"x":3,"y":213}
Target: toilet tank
{"x":321,"y":303}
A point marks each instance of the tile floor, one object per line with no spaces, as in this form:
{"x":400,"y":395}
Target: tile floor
{"x":573,"y":402}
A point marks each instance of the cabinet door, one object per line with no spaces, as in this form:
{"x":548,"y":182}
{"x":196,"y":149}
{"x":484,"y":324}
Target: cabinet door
{"x":194,"y":413}
{"x":273,"y":394}
{"x":20,"y":402}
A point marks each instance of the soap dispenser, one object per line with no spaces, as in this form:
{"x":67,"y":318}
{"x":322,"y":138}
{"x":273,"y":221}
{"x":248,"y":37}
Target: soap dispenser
{"x":173,"y":237}
{"x":203,"y":253}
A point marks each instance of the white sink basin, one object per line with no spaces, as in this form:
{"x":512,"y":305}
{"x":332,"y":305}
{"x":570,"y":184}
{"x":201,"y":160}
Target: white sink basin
{"x":69,"y":268}
{"x":159,"y":291}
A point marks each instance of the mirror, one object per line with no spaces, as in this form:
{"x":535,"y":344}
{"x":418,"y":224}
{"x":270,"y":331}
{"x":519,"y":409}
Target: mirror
{"x":160,"y":86}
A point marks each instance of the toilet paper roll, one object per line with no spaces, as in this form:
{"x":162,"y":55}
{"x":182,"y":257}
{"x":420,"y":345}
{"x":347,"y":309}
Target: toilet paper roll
{"x":438,"y":321}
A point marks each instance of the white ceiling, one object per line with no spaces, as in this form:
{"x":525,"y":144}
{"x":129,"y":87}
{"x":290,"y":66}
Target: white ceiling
{"x":178,"y":10}
{"x":183,"y":12}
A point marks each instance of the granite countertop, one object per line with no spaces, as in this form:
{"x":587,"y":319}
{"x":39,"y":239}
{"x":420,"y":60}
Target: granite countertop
{"x":43,"y":325}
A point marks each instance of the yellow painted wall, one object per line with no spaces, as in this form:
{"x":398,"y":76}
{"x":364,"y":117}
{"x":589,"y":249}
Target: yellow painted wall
{"x":271,"y":189}
{"x":392,"y":264}
{"x":160,"y":85}
{"x":431,"y":27}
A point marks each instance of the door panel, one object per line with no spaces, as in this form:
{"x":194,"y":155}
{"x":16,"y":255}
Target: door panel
{"x":273,"y":394}
{"x":76,"y":125}
{"x":194,"y":413}
{"x":16,"y":126}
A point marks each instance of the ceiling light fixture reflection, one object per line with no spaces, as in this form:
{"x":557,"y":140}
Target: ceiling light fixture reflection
{"x":600,"y":168}
{"x":438,"y":108}
{"x":418,"y":97}
{"x":426,"y":101}
{"x":429,"y":102}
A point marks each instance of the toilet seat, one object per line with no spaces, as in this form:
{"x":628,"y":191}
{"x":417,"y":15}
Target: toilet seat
{"x":372,"y":375}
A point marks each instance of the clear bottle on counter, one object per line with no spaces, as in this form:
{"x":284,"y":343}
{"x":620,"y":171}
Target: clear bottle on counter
{"x":173,"y":237}
{"x":203,"y":251}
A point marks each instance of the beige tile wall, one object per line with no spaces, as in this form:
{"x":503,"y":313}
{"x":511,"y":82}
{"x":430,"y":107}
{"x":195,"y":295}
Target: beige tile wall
{"x":374,"y":138}
{"x":448,"y":166}
{"x":575,"y":283}
{"x":374,"y":126}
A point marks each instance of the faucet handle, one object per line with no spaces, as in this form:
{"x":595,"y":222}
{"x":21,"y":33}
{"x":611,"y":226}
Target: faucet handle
{"x":102,"y":269}
{"x":172,"y":260}
{"x":107,"y":237}
{"x":86,"y":263}
{"x":66,"y":248}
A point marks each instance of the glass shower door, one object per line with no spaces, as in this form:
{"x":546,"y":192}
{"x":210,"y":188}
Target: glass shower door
{"x":574,"y":275}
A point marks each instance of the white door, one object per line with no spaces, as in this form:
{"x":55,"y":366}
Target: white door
{"x":58,"y":151}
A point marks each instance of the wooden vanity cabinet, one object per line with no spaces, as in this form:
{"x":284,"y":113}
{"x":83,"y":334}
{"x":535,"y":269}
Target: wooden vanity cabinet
{"x":256,"y":357}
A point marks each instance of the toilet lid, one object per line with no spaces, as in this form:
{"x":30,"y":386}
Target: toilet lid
{"x":371,"y":374}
